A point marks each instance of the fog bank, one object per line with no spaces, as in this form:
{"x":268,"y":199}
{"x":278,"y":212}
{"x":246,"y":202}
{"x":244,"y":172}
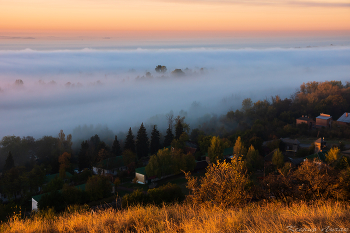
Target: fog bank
{"x":69,"y":88}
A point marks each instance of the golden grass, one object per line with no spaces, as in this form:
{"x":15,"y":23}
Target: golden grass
{"x":268,"y":217}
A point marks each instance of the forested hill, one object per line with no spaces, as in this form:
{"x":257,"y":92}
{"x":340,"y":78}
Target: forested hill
{"x":263,"y":120}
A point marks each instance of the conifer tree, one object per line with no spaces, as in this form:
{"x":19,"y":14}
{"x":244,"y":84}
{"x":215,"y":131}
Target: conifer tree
{"x":9,"y":163}
{"x":129,"y":141}
{"x":178,"y":130}
{"x":116,"y":150}
{"x":155,"y":144}
{"x":142,"y":142}
{"x":83,"y":156}
{"x":168,"y":137}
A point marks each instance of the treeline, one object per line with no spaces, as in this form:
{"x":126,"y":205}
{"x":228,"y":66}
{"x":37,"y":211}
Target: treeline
{"x":275,"y":118}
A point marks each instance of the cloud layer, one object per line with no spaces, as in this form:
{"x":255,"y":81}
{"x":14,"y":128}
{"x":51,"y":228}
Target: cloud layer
{"x":65,"y":89}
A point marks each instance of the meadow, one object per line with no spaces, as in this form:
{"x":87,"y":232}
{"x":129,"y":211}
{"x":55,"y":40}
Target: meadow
{"x":255,"y":217}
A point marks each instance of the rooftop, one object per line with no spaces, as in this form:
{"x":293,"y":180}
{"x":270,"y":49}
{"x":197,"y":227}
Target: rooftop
{"x":344,"y":118}
{"x":141,"y":170}
{"x":324,"y":116}
{"x":290,"y":141}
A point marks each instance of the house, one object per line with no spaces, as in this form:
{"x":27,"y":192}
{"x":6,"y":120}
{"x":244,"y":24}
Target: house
{"x":344,"y":119}
{"x":190,"y":147}
{"x":320,"y":145}
{"x":291,"y":145}
{"x":323,"y":120}
{"x":306,"y":120}
{"x":110,"y":166}
{"x":140,"y":175}
{"x":321,"y":156}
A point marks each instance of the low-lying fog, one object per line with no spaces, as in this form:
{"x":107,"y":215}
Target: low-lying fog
{"x":66,"y":89}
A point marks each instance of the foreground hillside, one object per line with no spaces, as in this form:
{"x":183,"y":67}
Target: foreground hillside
{"x":270,"y":217}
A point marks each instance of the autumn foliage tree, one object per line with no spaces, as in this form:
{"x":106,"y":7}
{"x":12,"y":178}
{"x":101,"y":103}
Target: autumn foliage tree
{"x":224,"y":184}
{"x":216,"y":150}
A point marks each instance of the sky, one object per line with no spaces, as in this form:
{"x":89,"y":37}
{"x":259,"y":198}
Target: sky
{"x":73,"y":17}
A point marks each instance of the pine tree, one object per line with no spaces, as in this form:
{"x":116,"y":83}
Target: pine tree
{"x":155,"y":144}
{"x":142,"y":142}
{"x":83,"y":156}
{"x":129,"y":141}
{"x":178,"y":130}
{"x":9,"y":163}
{"x":116,"y":150}
{"x":168,"y":137}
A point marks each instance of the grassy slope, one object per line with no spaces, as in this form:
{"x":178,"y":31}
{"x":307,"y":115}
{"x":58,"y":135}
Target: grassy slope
{"x":272,"y":217}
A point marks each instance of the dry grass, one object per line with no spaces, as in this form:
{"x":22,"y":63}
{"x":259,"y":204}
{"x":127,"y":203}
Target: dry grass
{"x":270,"y":217}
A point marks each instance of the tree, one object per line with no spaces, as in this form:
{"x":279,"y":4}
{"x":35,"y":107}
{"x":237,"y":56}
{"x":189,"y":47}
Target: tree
{"x":253,"y":159}
{"x":178,"y":129}
{"x":116,"y":149}
{"x":239,"y":149}
{"x":98,"y":187}
{"x":278,"y":159}
{"x":224,"y":184}
{"x":161,"y":69}
{"x":246,"y":104}
{"x":216,"y":150}
{"x":83,"y":156}
{"x":181,"y":142}
{"x":161,"y":164}
{"x":204,"y":143}
{"x":155,"y":141}
{"x":142,"y":142}
{"x":168,"y":137}
{"x":64,"y":144}
{"x":129,"y":141}
{"x":333,"y":155}
{"x":9,"y":163}
{"x":129,"y":159}
{"x":64,"y":161}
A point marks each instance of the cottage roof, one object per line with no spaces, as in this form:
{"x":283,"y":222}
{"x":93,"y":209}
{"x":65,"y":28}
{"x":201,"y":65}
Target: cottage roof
{"x":290,"y":141}
{"x":305,"y":119}
{"x":324,"y":116}
{"x":228,"y":151}
{"x":141,"y":170}
{"x":344,"y":118}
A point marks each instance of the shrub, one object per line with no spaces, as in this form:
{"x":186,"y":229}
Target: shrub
{"x":224,"y":184}
{"x":167,"y":193}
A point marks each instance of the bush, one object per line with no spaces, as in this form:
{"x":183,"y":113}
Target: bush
{"x":53,"y":200}
{"x":224,"y":184}
{"x":98,"y":187}
{"x":167,"y":193}
{"x":135,"y":198}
